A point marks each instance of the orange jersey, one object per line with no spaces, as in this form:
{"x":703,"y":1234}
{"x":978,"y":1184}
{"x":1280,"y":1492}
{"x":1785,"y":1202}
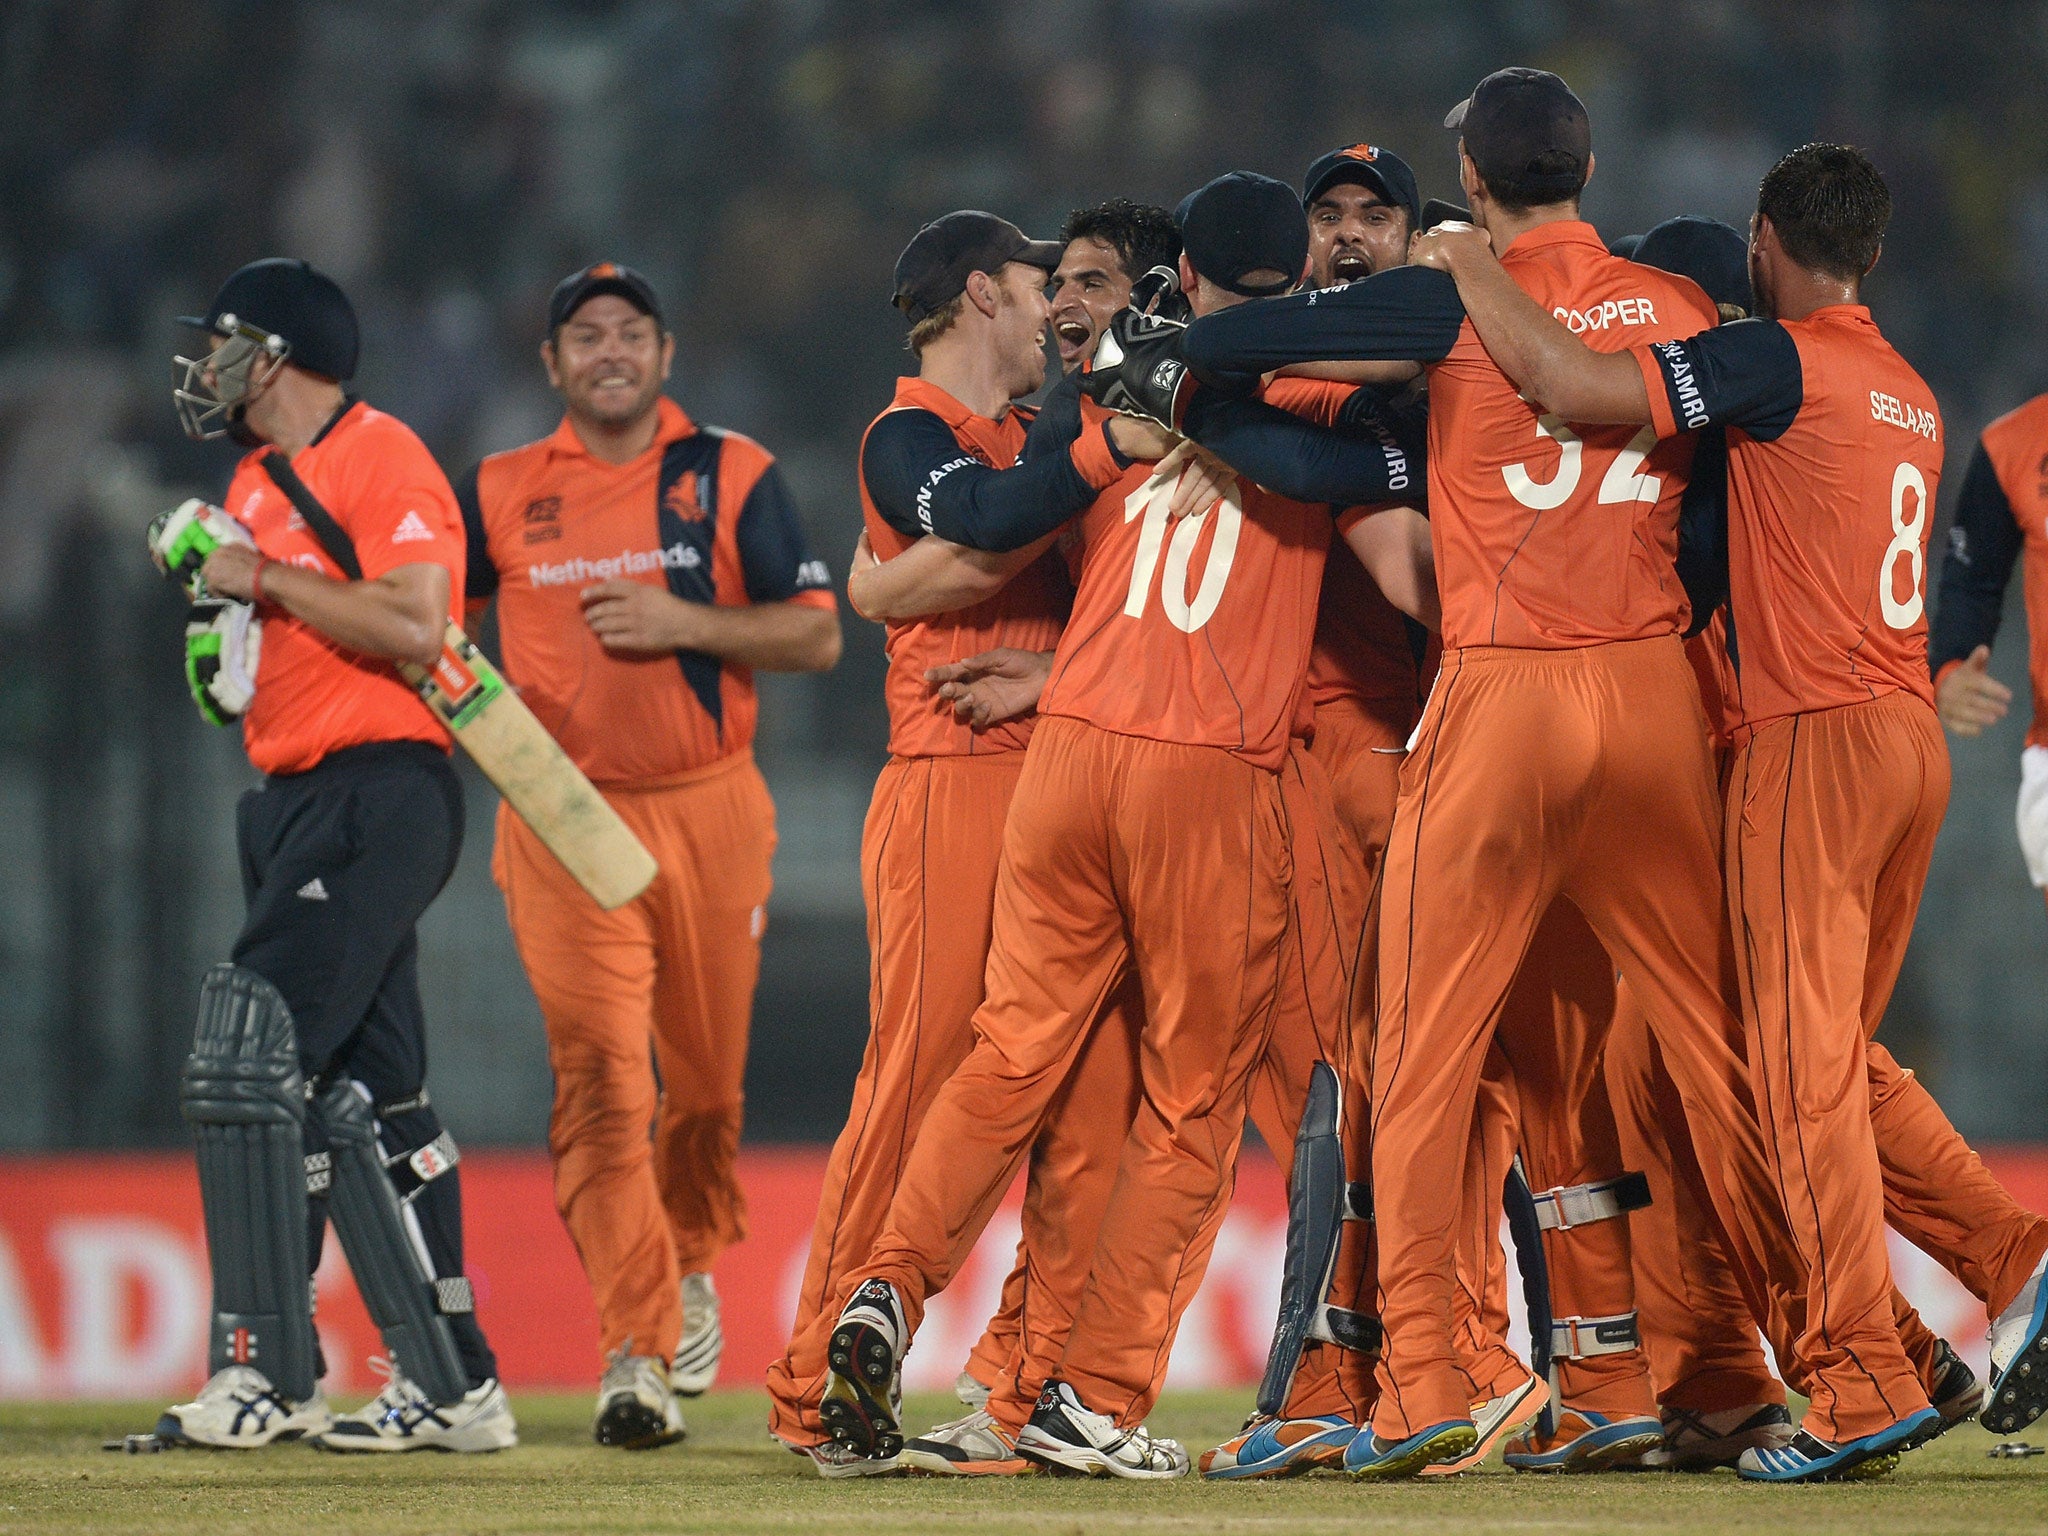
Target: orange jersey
{"x":1549,"y":535}
{"x":1195,"y":631}
{"x":1834,"y":454}
{"x":2009,"y":519}
{"x":313,"y":695}
{"x":701,"y":512}
{"x":1028,"y":613}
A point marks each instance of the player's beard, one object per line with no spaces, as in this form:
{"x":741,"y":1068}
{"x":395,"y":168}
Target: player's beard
{"x":624,"y":416}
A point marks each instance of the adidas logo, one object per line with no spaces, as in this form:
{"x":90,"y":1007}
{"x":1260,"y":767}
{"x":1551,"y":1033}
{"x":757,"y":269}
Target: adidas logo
{"x":313,"y":890}
{"x":411,"y":530}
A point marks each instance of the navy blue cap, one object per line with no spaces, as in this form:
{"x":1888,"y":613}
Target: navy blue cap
{"x":1525,"y":128}
{"x":934,"y":268}
{"x":1712,"y":254}
{"x":578,"y":288}
{"x":290,"y":298}
{"x":1370,"y":166}
{"x":1243,"y":222}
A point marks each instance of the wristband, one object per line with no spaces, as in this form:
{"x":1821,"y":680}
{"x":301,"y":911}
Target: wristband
{"x":256,"y":578}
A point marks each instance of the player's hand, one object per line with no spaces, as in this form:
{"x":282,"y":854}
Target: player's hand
{"x":230,"y":571}
{"x":1138,"y":367}
{"x":1140,"y":437}
{"x":1969,"y":698}
{"x":863,"y":554}
{"x":1200,"y":481}
{"x":1448,"y":244}
{"x":994,"y":687}
{"x":638,"y":619}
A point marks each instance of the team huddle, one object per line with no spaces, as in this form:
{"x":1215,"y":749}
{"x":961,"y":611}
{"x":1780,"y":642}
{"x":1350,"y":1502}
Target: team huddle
{"x":1452,"y":692}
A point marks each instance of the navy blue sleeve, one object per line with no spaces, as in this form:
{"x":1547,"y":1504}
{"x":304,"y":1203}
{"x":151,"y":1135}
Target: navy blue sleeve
{"x":1302,"y":459}
{"x":1057,"y":422}
{"x":1746,"y":374}
{"x":775,"y":559}
{"x":1703,"y":529}
{"x":923,"y":481}
{"x":479,"y":576}
{"x":1983,"y":543}
{"x":1405,"y":314}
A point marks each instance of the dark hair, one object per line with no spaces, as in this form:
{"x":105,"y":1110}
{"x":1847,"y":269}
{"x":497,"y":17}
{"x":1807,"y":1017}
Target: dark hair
{"x":1554,"y":176}
{"x":1142,"y":236}
{"x":1829,"y":206}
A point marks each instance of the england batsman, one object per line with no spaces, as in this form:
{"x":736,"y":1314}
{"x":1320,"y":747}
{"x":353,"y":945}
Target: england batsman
{"x":305,"y":1087}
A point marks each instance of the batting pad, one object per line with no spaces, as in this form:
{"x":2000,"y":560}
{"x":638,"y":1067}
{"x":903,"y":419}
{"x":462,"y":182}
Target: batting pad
{"x":242,"y":1094}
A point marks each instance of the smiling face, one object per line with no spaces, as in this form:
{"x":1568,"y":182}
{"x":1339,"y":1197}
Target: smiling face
{"x":1018,"y":325}
{"x":609,"y":360}
{"x":1353,"y":232}
{"x":1088,"y":288}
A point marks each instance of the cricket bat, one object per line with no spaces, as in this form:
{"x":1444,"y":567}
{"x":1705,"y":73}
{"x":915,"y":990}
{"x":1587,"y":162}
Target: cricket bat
{"x":529,"y":768}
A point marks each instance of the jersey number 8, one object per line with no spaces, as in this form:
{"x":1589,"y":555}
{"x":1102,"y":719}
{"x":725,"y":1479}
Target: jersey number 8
{"x":1908,"y":542}
{"x":1152,"y":501}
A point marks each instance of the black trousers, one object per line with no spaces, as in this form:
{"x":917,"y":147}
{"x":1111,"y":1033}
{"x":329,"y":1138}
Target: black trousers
{"x":338,"y":864}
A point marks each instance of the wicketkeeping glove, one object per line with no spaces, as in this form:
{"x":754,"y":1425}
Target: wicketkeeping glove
{"x":223,"y":643}
{"x":1138,"y":367}
{"x":180,"y":541}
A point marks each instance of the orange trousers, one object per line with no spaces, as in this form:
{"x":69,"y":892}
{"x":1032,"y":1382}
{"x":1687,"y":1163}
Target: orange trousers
{"x":1554,"y":1035}
{"x":929,"y":851}
{"x":671,"y":973}
{"x":1121,"y":854}
{"x":1832,"y":818}
{"x":1538,"y":774}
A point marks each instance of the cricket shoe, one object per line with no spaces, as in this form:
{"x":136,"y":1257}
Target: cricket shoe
{"x":1278,"y":1447}
{"x":1701,"y":1442}
{"x":403,"y":1418}
{"x":1585,"y":1441}
{"x":972,"y":1446}
{"x":1063,"y":1433}
{"x":695,"y":1365}
{"x":1368,"y":1456}
{"x":1956,"y":1393}
{"x":636,"y":1408}
{"x":835,"y":1460}
{"x":2019,"y":1358}
{"x":239,"y":1410}
{"x":1494,"y":1420}
{"x":1807,"y":1458}
{"x":864,"y":1362}
{"x":969,"y":1390}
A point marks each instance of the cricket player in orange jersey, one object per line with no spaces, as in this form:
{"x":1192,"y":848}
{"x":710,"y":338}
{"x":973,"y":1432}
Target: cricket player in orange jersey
{"x":2001,"y":519}
{"x":1833,"y":457}
{"x":644,"y":567}
{"x":1557,"y":609}
{"x":943,"y":459}
{"x":1148,"y":833}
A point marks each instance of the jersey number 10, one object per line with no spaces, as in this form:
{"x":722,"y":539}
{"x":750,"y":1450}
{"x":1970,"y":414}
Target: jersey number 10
{"x":1151,"y":501}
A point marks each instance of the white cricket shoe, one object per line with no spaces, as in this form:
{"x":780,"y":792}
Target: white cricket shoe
{"x":403,"y":1418}
{"x":239,"y":1410}
{"x":1065,"y":1433}
{"x":2019,"y":1358}
{"x":835,"y":1460}
{"x":636,"y":1409}
{"x":971,"y":1392}
{"x":696,"y":1363}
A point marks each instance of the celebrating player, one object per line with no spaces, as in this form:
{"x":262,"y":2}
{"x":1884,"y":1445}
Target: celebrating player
{"x":2001,"y":515}
{"x":305,"y":1084}
{"x":644,"y":568}
{"x":943,"y":459}
{"x":1834,"y":453}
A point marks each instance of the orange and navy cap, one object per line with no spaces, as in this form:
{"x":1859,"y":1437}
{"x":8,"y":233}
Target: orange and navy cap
{"x":1370,"y":166}
{"x":573,"y":291}
{"x":934,"y":268}
{"x":1524,"y":127}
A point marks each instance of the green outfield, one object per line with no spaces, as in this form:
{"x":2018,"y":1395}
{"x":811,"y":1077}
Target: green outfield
{"x":729,"y":1479}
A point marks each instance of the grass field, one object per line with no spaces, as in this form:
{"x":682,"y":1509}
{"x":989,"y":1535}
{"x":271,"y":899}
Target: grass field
{"x":728,"y":1478}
